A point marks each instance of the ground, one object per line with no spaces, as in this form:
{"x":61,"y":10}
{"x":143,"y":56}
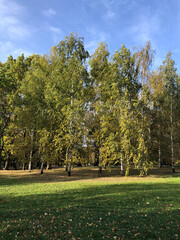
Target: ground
{"x":89,"y":206}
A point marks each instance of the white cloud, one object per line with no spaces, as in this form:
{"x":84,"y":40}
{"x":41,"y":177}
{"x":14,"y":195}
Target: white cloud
{"x":8,"y":48}
{"x":108,"y":3}
{"x":110,"y":14}
{"x":111,"y":7}
{"x":145,"y":29}
{"x":11,"y":25}
{"x":49,"y":12}
{"x":96,"y":37}
{"x":55,"y":30}
{"x":13,"y":29}
{"x":56,"y":34}
{"x":19,"y":51}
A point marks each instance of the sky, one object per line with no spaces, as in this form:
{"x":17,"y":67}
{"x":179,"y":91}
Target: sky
{"x":35,"y":26}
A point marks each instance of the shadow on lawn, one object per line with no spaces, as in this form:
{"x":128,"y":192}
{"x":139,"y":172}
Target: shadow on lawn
{"x":78,"y":173}
{"x":127,"y":211}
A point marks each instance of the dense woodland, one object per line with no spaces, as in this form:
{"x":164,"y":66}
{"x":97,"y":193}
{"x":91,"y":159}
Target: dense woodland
{"x":70,"y":108}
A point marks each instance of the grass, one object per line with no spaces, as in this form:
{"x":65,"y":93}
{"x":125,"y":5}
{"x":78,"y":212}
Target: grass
{"x":86,"y":206}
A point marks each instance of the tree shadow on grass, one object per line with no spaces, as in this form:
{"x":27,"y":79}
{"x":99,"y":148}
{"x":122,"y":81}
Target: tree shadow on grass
{"x":127,"y":211}
{"x":79,"y":173}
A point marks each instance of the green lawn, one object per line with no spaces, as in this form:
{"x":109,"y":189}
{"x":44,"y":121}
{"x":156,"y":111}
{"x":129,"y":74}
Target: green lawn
{"x":50,"y":206}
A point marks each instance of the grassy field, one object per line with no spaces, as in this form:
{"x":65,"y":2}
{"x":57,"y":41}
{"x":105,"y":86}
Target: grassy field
{"x":87,"y":206}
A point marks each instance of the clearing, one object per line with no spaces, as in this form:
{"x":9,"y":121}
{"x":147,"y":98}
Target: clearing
{"x":87,"y":206}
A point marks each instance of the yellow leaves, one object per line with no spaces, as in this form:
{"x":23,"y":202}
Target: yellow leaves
{"x":39,"y":232}
{"x":90,"y":224}
{"x":137,"y":234}
{"x":52,"y":219}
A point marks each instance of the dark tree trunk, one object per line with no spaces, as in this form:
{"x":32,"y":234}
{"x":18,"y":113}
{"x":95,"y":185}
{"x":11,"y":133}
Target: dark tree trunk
{"x":100,"y":169}
{"x":69,"y":170}
{"x":42,"y":164}
{"x":96,"y":155}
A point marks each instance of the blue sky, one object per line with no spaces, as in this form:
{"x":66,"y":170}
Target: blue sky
{"x":35,"y":26}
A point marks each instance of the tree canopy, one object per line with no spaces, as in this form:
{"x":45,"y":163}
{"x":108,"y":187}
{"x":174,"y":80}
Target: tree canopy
{"x":71,"y":108}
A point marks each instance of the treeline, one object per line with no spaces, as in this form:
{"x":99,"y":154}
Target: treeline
{"x":71,"y":108}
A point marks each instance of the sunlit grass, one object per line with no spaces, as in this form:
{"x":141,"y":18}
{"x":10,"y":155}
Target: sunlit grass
{"x":50,"y":206}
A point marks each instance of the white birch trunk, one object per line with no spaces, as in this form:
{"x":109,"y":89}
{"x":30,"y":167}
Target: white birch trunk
{"x":29,"y":166}
{"x":23,"y":167}
{"x":122,"y":167}
{"x":31,"y":152}
{"x":42,"y":164}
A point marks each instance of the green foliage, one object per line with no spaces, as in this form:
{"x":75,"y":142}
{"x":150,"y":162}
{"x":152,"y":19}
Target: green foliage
{"x":110,"y":110}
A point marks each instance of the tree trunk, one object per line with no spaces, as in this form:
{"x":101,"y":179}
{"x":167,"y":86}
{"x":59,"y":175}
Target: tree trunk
{"x":30,"y":162}
{"x":172,"y":143}
{"x":1,"y":148}
{"x":100,"y":163}
{"x":66,"y":160}
{"x":96,"y":155}
{"x":42,"y":164}
{"x":31,"y":152}
{"x":127,"y":171}
{"x":29,"y":166}
{"x":69,"y":170}
{"x":48,"y":166}
{"x":159,"y":155}
{"x":6,"y":165}
{"x":122,"y":167}
{"x":23,"y":167}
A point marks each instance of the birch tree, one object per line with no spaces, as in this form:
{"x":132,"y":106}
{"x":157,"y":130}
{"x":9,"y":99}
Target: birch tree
{"x":170,"y":78}
{"x":68,"y":90}
{"x":31,"y":104}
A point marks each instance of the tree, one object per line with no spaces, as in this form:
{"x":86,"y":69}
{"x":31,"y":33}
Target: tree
{"x":11,"y":75}
{"x":100,"y":74}
{"x":144,"y":58}
{"x":170,"y":78}
{"x":31,"y":105}
{"x":69,"y":85}
{"x":159,"y":119}
{"x":125,"y":94}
